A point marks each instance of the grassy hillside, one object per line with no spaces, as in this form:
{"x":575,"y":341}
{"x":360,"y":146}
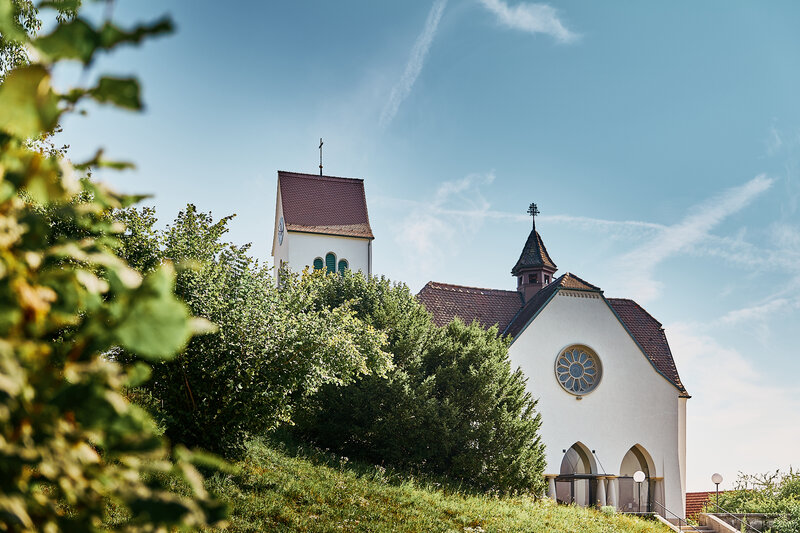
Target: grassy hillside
{"x":276,"y":492}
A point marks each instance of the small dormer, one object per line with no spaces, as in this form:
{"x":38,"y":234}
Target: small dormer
{"x":534,"y":269}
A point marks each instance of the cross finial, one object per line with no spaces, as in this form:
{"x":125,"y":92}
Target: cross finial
{"x":533,"y":211}
{"x":320,"y":156}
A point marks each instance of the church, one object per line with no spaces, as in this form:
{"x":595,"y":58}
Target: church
{"x":612,"y":403}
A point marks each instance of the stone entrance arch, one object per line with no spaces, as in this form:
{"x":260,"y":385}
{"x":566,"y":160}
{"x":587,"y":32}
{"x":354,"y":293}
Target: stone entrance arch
{"x":576,"y":481}
{"x":635,"y":497}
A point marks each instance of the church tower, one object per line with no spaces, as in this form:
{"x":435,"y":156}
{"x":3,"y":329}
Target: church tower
{"x":534,"y":269}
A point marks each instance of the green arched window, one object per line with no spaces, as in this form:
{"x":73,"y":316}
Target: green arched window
{"x":343,"y":265}
{"x":318,"y":263}
{"x":330,"y":262}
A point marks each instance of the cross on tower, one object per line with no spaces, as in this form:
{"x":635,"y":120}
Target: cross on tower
{"x":320,"y":156}
{"x":533,"y":211}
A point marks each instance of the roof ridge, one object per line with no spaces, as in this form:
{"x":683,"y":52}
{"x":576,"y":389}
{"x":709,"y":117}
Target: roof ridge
{"x":439,"y":284}
{"x":575,"y":276}
{"x":317,"y":176}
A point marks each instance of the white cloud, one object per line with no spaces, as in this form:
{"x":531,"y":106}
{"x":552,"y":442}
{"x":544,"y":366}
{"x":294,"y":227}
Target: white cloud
{"x":756,"y":313}
{"x":531,"y":18}
{"x":434,"y":230}
{"x":739,"y":418}
{"x":415,"y":63}
{"x":774,"y":141}
{"x":638,"y":265}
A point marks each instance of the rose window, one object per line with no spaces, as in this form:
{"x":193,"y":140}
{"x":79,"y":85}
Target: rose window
{"x":578,"y":370}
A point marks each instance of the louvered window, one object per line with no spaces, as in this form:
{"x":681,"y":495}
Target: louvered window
{"x":330,"y":263}
{"x":318,"y":263}
{"x":342,"y":266}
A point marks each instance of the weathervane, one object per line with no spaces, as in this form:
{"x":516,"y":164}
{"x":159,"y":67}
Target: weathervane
{"x":320,"y":156}
{"x":533,"y":211}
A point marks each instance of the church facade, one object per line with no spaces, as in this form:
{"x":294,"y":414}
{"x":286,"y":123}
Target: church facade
{"x":610,"y":396}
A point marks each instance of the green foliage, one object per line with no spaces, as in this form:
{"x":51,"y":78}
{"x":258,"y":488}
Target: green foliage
{"x":19,"y":20}
{"x":452,"y":406}
{"x":273,"y":347}
{"x":771,"y":493}
{"x":70,"y":444}
{"x":315,"y":492}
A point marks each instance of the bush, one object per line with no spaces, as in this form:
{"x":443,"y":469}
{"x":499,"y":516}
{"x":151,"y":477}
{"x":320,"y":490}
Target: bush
{"x":274,"y":345}
{"x":452,"y":406}
{"x":771,"y":493}
{"x":71,"y":446}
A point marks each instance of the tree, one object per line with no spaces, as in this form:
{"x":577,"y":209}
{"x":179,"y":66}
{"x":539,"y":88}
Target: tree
{"x":70,"y":444}
{"x":451,"y":406}
{"x":274,"y":345}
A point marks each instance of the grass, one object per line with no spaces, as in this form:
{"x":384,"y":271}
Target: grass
{"x":275,"y":491}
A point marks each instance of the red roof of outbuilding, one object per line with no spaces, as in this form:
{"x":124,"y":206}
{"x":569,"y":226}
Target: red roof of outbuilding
{"x":324,"y":204}
{"x":488,"y":306}
{"x":695,"y":502}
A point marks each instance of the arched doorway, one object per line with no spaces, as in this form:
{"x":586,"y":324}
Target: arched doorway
{"x":577,"y":477}
{"x":636,"y":497}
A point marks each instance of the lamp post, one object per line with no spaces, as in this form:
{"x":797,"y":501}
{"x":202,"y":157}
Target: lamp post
{"x":717,"y":479}
{"x":638,"y":477}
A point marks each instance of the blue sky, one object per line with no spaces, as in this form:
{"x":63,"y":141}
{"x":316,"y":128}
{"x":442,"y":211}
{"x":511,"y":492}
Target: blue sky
{"x":660,"y":141}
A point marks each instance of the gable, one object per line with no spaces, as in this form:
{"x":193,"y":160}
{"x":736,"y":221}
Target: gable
{"x":325,"y":205}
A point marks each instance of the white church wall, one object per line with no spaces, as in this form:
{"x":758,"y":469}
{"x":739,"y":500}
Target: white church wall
{"x":304,"y":247}
{"x":633,"y":403}
{"x":280,"y":249}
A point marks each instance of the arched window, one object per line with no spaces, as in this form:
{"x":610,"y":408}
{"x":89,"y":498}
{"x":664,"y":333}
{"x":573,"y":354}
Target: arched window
{"x":318,"y":264}
{"x":330,"y":262}
{"x":343,"y":266}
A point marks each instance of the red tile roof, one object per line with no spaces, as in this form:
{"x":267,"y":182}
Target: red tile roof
{"x":506,"y":309}
{"x":649,"y":334}
{"x":488,"y":306}
{"x":324,"y":204}
{"x":695,"y":502}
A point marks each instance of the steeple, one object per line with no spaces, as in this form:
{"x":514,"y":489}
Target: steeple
{"x":534,"y":269}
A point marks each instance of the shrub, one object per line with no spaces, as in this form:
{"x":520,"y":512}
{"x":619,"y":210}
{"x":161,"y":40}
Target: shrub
{"x":70,"y":444}
{"x":452,"y":405}
{"x":274,"y":345}
{"x":770,"y":493}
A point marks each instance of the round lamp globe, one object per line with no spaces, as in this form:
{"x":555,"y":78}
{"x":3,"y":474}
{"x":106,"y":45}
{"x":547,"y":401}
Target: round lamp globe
{"x":716,"y":479}
{"x":638,"y":476}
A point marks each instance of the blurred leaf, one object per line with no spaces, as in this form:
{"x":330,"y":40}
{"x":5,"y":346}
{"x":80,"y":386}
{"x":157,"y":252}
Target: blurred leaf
{"x":99,"y":162}
{"x":61,"y":5}
{"x":111,"y":35}
{"x":157,"y":324}
{"x":72,"y":40}
{"x":122,"y":92}
{"x":8,"y":28}
{"x":138,"y":374}
{"x":28,"y":106}
{"x":77,"y":39}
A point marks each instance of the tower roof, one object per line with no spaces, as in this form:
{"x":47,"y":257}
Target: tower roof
{"x":534,"y":255}
{"x":324,"y":204}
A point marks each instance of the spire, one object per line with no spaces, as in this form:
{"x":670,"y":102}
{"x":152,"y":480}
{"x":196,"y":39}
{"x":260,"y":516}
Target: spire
{"x":534,"y":268}
{"x":534,"y":254}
